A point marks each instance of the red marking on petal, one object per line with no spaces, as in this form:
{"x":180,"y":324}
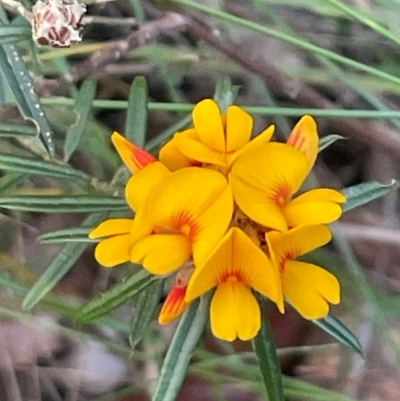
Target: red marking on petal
{"x":281,"y":194}
{"x":140,"y":157}
{"x":232,"y":275}
{"x":174,"y":305}
{"x":184,"y":223}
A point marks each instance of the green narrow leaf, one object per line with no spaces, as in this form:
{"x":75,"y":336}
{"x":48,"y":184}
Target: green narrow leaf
{"x":361,"y":194}
{"x":181,"y":349}
{"x":116,"y":295}
{"x":76,"y":234}
{"x":83,"y":107}
{"x":39,"y":167}
{"x":225,"y":94}
{"x":60,"y":266}
{"x":136,"y":117}
{"x":10,"y":130}
{"x":64,"y":204}
{"x":11,"y":180}
{"x":340,"y":332}
{"x":146,"y":308}
{"x":265,"y":350}
{"x":299,"y":389}
{"x":328,"y":141}
{"x":21,"y":84}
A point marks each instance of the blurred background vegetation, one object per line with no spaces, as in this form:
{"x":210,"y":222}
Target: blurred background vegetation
{"x":334,"y":59}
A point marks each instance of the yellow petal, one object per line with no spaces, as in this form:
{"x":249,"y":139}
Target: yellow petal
{"x":237,"y":257}
{"x":113,"y":251}
{"x":208,"y":124}
{"x":172,"y":157}
{"x":298,"y":241}
{"x":256,"y":142}
{"x":263,"y":180}
{"x":111,"y":227}
{"x":140,"y":185}
{"x":161,"y":253}
{"x":133,"y":157}
{"x":239,"y":125}
{"x":174,"y":305}
{"x":194,"y":149}
{"x":304,"y":137}
{"x":234,"y":312}
{"x":317,"y":206}
{"x":309,"y":288}
{"x":196,"y":202}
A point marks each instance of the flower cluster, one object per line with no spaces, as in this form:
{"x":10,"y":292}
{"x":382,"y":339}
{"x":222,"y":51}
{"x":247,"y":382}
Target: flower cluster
{"x":220,"y":210}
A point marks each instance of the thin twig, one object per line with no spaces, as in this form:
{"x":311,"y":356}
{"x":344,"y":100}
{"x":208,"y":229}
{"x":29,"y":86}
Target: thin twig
{"x":17,"y":8}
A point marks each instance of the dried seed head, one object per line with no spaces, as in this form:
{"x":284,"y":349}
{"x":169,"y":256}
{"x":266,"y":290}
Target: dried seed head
{"x":57,"y":23}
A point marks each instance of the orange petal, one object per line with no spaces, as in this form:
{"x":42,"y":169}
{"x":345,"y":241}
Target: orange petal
{"x":234,"y":312}
{"x":173,"y":306}
{"x":239,"y":125}
{"x":208,"y":124}
{"x":113,"y":251}
{"x":304,"y":137}
{"x":111,"y":227}
{"x":309,"y":288}
{"x":133,"y":157}
{"x":161,"y":253}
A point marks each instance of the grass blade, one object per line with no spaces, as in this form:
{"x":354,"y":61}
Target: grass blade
{"x":181,"y":349}
{"x":265,"y":349}
{"x":83,"y":107}
{"x":76,"y":234}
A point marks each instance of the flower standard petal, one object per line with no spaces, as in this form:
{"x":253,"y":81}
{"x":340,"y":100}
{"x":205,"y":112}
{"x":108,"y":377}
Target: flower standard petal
{"x":309,"y":288}
{"x":113,"y":251}
{"x":161,"y":253}
{"x":111,"y":227}
{"x":236,"y":256}
{"x":133,"y":157}
{"x":304,"y":137}
{"x":239,"y":125}
{"x":208,"y":123}
{"x":140,"y":185}
{"x":264,"y":180}
{"x":317,"y":206}
{"x":172,"y":157}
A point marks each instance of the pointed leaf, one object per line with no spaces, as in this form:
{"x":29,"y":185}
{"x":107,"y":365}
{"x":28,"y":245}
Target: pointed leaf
{"x":39,"y":167}
{"x":225,"y":94}
{"x":64,"y":204}
{"x":83,"y":107}
{"x":265,"y":349}
{"x":116,"y":295}
{"x":361,"y":194}
{"x":180,"y":351}
{"x":76,"y":234}
{"x":136,"y":118}
{"x":328,"y":141}
{"x":21,"y":84}
{"x":340,"y":332}
{"x":147,"y":306}
{"x":60,"y":266}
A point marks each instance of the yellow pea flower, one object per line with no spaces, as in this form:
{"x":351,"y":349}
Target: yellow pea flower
{"x":235,"y":267}
{"x":116,"y":246}
{"x":188,"y":212}
{"x":264,"y":181}
{"x":309,"y":288}
{"x":216,"y":139}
